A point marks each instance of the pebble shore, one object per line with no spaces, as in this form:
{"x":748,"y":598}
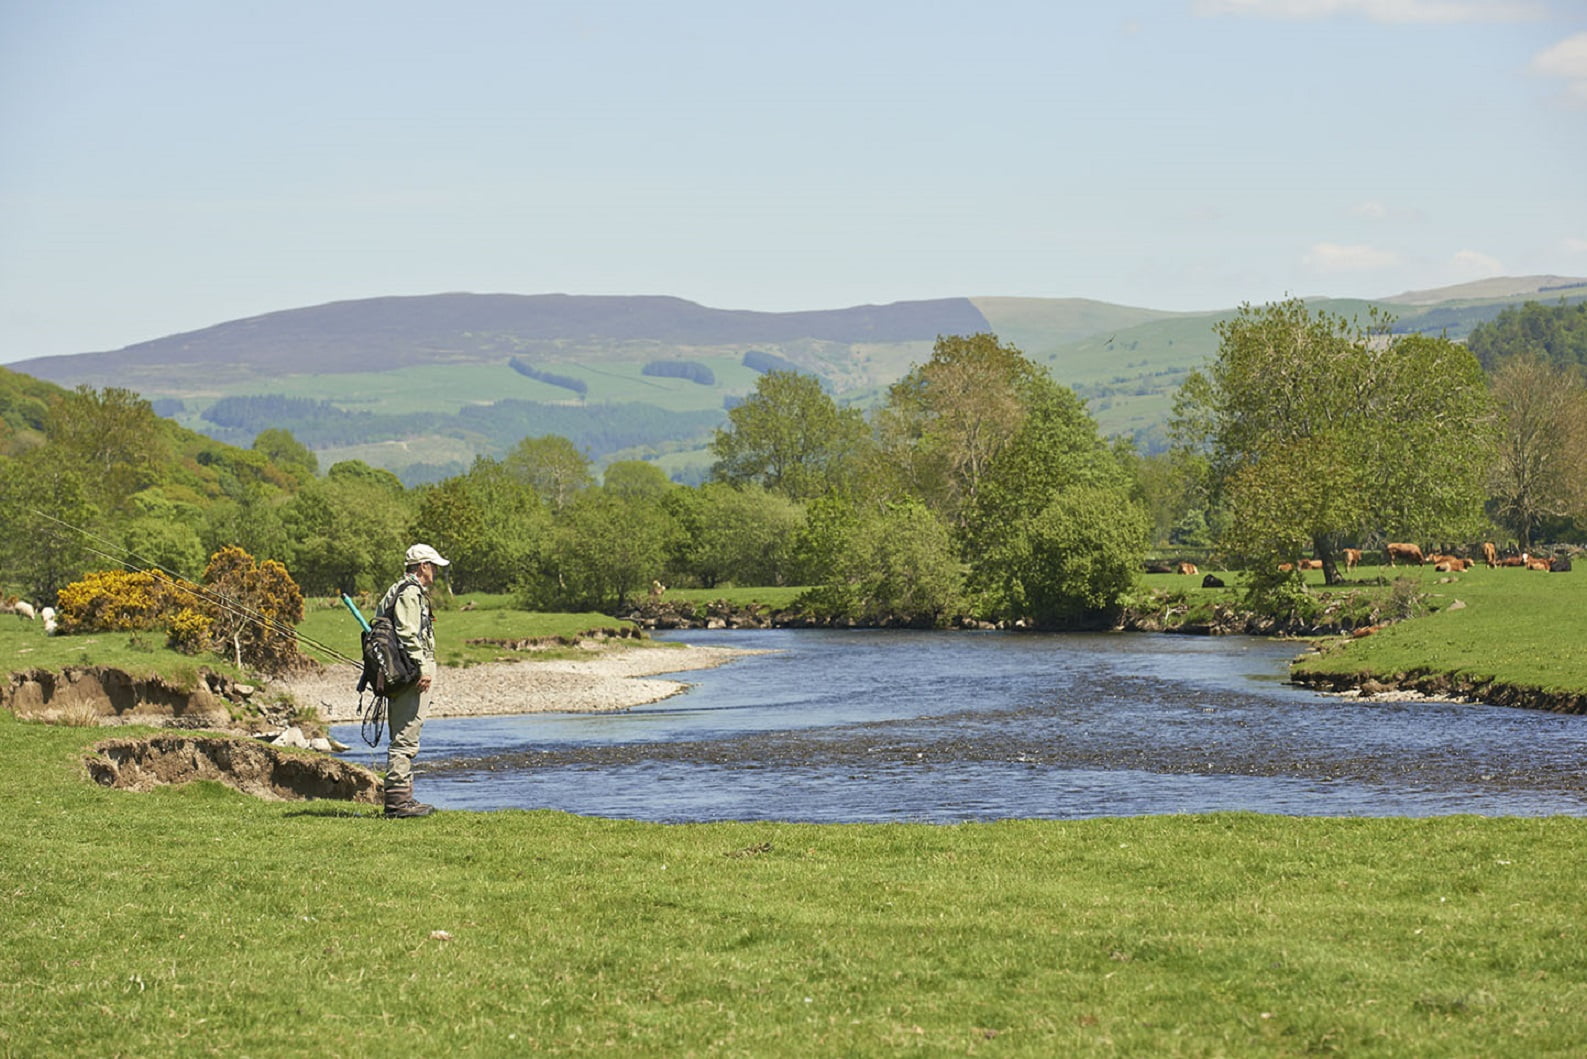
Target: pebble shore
{"x":614,"y":677}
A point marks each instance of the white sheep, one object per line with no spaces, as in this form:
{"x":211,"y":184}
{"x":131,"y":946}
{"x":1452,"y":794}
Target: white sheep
{"x":48,"y":617}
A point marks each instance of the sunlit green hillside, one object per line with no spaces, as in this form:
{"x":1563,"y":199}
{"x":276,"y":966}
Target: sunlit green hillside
{"x":422,"y":385}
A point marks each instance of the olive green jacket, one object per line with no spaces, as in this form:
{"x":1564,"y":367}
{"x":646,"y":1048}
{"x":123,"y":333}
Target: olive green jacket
{"x":410,"y":613}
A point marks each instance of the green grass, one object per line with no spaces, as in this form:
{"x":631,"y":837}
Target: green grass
{"x":774,"y":597}
{"x":491,"y":617}
{"x":23,"y":645}
{"x":1519,"y":627}
{"x":198,"y":921}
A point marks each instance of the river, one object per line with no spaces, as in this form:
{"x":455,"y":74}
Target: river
{"x":942,"y":727}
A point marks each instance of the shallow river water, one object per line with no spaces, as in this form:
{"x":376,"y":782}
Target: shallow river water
{"x":863,"y":726}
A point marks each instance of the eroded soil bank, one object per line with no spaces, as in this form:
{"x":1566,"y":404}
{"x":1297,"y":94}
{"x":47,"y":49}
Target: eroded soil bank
{"x":88,"y":695}
{"x":101,"y":695}
{"x":249,"y":766}
{"x":1446,"y":686}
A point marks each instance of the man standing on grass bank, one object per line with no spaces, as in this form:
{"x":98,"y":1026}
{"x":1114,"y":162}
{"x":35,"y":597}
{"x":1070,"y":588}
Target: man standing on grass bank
{"x":408,"y":603}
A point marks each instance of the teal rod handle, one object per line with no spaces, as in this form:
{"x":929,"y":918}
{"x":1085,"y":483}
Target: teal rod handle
{"x":356,"y":612}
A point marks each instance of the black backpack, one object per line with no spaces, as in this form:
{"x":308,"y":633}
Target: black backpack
{"x":387,"y":667}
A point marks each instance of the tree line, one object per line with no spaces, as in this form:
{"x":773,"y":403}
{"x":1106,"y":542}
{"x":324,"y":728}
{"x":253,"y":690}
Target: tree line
{"x":977,"y":486}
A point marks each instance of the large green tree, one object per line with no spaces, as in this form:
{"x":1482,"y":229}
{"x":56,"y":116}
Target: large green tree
{"x":488,"y":522}
{"x":741,"y":536}
{"x":791,"y":437}
{"x":945,"y":423}
{"x":1540,"y":468}
{"x":113,"y":438}
{"x":1074,"y":560}
{"x":48,"y":525}
{"x":552,"y":466}
{"x":348,"y":530}
{"x":1318,"y":431}
{"x":1055,"y":448}
{"x":605,"y":549}
{"x":892,"y":563}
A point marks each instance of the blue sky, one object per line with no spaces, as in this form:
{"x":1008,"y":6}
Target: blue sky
{"x":172,"y":164}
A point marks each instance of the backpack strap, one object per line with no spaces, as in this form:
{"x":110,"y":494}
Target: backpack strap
{"x":406,"y":584}
{"x":425,"y":619}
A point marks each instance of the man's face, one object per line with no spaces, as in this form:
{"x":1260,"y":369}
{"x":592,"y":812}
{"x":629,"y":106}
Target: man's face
{"x":426,"y":574}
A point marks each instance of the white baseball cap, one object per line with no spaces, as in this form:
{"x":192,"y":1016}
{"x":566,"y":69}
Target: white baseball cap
{"x":423,"y":553}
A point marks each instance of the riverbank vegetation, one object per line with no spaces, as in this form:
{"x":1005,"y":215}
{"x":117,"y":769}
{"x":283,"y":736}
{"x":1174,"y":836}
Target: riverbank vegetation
{"x":977,"y":490}
{"x":195,"y":920}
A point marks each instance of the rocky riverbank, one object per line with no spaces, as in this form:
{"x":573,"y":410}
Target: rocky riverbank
{"x":617,"y":675}
{"x":1443,"y":686}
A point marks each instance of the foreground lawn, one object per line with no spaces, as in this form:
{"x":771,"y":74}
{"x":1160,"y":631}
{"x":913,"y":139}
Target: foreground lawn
{"x":199,"y":921}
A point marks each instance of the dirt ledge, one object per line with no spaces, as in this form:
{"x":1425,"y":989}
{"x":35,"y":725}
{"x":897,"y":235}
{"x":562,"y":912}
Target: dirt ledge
{"x":251,"y":767}
{"x":107,"y":695}
{"x":1446,"y":686}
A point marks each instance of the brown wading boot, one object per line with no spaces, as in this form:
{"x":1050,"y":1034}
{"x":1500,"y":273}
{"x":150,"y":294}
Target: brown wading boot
{"x":400,"y":804}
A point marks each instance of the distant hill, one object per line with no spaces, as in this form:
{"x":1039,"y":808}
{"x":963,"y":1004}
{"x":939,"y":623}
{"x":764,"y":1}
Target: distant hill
{"x":381,"y":334}
{"x":421,"y":385}
{"x":1513,"y":288}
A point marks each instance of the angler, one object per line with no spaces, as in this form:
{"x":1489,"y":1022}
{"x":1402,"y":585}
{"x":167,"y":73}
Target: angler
{"x":407,"y":603}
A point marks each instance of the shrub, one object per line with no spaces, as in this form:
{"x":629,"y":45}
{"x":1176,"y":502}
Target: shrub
{"x":252,"y":609}
{"x":119,"y":601}
{"x":190,"y":632}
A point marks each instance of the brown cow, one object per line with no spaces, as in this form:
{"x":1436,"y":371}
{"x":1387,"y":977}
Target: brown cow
{"x":1534,"y":563}
{"x":1311,"y":564}
{"x":1490,"y":554}
{"x":1352,"y":558}
{"x":1409,"y":553}
{"x":1188,"y":568}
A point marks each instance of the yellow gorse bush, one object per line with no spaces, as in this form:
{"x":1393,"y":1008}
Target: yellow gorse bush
{"x":120,"y":601}
{"x":245,"y":610}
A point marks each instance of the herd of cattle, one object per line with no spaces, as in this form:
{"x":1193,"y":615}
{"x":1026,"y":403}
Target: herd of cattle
{"x":1411,"y":555}
{"x":1401,"y":554}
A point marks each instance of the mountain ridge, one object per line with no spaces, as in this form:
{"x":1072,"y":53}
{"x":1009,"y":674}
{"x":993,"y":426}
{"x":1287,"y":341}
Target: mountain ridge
{"x":448,"y":377}
{"x":409,"y":329}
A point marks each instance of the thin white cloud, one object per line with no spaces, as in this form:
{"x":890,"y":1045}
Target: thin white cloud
{"x":1381,"y":10}
{"x":1567,"y":61}
{"x":1473,"y":264}
{"x":1334,"y":258}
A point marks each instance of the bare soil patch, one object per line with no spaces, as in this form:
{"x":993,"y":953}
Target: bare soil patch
{"x":251,"y":767}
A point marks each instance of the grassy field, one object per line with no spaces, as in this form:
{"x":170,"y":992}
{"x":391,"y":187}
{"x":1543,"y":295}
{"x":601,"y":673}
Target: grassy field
{"x":199,"y":921}
{"x":1509,"y":625}
{"x":488,"y":617}
{"x":196,"y":920}
{"x":326,"y":621}
{"x":1515,"y":626}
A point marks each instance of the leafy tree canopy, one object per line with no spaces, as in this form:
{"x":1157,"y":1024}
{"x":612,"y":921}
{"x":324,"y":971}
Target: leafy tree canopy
{"x":790,"y":437}
{"x":1318,"y":430}
{"x":1556,"y":334}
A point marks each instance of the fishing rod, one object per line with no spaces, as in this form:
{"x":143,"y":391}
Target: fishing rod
{"x":217,"y":599}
